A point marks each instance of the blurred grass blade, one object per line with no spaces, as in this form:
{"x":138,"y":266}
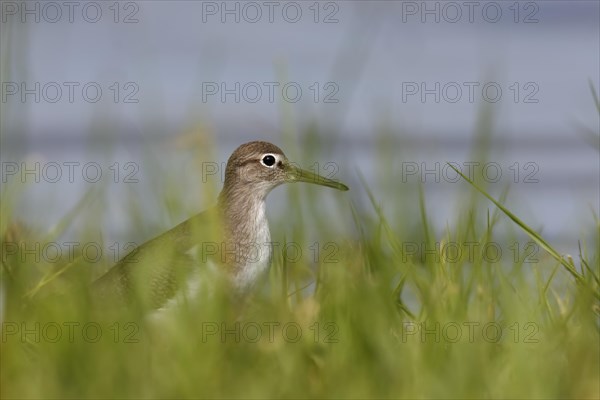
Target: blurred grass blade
{"x":587,"y":266}
{"x":383,"y":221}
{"x":533,"y":234}
{"x":592,"y":135}
{"x":423,"y":210}
{"x":595,"y":95}
{"x":60,"y":228}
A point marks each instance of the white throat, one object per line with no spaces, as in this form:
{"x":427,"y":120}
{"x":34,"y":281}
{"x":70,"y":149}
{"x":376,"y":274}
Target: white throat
{"x":259,"y":258}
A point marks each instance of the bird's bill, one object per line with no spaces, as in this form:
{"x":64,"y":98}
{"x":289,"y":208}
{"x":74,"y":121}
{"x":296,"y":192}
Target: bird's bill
{"x":295,"y":174}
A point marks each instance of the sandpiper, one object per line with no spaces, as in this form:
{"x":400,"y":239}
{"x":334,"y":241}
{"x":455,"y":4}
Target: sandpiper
{"x":233,"y":236}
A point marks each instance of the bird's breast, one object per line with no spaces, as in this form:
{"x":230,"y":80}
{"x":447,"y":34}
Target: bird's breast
{"x":256,"y":260}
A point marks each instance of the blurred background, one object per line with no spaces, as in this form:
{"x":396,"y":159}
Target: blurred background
{"x":151,"y":97}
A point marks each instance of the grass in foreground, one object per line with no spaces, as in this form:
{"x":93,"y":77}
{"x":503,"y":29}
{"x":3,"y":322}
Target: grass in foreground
{"x":367,"y":315}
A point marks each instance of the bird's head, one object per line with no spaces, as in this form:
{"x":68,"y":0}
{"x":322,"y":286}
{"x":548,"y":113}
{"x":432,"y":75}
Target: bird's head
{"x":262,"y":166}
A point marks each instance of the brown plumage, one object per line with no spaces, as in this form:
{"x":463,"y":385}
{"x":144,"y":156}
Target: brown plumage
{"x":234,"y":235}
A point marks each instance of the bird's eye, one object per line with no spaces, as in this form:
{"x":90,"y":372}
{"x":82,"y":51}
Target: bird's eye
{"x":268,"y":160}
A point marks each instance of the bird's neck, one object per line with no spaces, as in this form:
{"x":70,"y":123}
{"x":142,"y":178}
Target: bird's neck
{"x":244,"y":214}
{"x":247,"y":235}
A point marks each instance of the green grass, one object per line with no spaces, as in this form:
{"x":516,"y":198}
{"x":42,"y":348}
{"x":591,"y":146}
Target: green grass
{"x":380,"y":320}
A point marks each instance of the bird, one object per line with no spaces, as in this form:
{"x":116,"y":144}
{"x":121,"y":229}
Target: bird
{"x":230,"y":242}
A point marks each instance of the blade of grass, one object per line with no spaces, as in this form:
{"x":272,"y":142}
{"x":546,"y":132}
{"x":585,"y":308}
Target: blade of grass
{"x":587,"y":266}
{"x":594,"y":95}
{"x":533,"y":234}
{"x":64,"y":223}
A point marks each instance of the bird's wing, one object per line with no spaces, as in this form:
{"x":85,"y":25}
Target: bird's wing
{"x":154,"y":272}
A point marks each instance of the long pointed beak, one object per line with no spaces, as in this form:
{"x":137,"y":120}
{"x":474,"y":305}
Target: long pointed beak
{"x":295,"y":174}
